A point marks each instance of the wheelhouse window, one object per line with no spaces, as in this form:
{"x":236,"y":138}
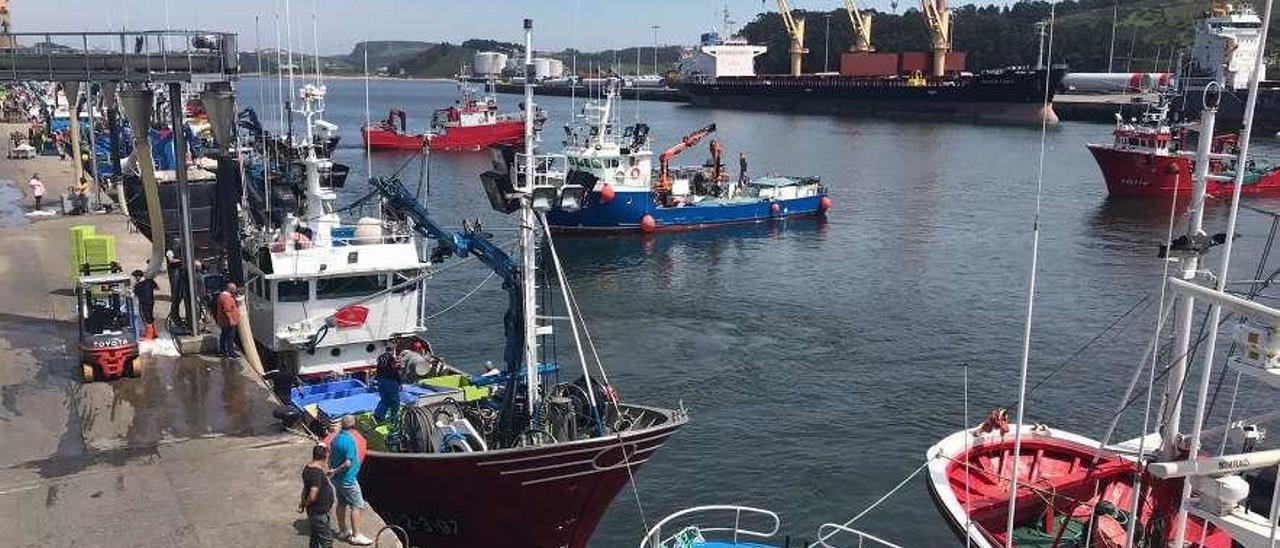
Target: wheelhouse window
{"x":293,"y":291}
{"x":346,"y":287}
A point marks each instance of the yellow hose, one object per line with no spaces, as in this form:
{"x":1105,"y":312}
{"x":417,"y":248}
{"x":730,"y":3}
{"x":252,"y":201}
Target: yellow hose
{"x":246,"y":338}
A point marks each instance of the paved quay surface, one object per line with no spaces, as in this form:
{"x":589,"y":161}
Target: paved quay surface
{"x":187,"y":455}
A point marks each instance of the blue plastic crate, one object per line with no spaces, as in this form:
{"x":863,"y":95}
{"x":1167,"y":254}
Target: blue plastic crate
{"x":308,"y":394}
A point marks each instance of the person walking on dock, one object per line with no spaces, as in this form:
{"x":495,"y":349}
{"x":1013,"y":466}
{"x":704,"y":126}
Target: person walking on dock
{"x":344,"y":458}
{"x":144,"y":291}
{"x":317,"y":497}
{"x":37,"y":189}
{"x":228,"y":317}
{"x":387,"y":377}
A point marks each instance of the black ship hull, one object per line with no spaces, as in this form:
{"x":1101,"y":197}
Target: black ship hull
{"x":1011,"y":95}
{"x":1231,"y":108}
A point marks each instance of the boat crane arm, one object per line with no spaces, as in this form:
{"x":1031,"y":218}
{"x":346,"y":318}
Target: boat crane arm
{"x":472,"y":241}
{"x":664,"y":161}
{"x":861,"y":27}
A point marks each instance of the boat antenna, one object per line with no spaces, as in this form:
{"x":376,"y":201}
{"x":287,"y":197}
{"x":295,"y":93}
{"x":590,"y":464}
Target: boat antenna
{"x":279,"y":74}
{"x":1031,"y":295}
{"x":528,"y":252}
{"x":315,"y":39}
{"x":368,"y":121}
{"x":288,"y":29}
{"x":1215,"y":310}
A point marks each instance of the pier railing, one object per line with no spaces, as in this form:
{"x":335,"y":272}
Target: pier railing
{"x":127,"y":56}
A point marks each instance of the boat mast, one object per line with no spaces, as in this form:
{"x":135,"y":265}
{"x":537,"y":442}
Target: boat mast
{"x":1173,"y":394}
{"x":1215,"y":314}
{"x":528,"y":251}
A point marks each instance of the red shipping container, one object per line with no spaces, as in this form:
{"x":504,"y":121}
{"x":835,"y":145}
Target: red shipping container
{"x":869,"y":64}
{"x":956,"y":61}
{"x":911,"y":61}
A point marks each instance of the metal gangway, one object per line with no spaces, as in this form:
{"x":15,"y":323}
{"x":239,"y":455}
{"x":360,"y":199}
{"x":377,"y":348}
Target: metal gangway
{"x":157,"y":56}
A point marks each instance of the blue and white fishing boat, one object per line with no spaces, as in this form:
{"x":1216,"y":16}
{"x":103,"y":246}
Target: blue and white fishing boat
{"x":626,"y":193}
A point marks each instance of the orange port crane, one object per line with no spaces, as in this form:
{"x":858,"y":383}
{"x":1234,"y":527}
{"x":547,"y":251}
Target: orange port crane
{"x":938,"y":17}
{"x":861,"y":27}
{"x":664,"y":161}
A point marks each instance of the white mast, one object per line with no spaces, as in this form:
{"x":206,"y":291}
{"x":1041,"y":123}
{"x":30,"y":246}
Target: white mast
{"x":1215,"y":314}
{"x":1173,"y":393}
{"x":528,"y":251}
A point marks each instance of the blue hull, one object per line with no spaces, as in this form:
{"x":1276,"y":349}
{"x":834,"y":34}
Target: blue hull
{"x":626,"y":210}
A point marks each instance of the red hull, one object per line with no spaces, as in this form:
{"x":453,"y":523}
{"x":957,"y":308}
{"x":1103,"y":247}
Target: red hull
{"x":509,"y":132}
{"x":971,"y":485}
{"x":381,"y":139}
{"x":540,"y":497}
{"x":1135,"y":173}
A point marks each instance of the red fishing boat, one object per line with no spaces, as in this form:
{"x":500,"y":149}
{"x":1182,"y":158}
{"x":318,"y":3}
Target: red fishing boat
{"x":1151,"y":158}
{"x":387,"y":136}
{"x":1071,"y":492}
{"x":475,"y":123}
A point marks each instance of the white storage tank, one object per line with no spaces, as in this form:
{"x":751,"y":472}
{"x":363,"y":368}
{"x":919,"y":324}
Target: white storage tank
{"x":488,"y":63}
{"x":545,"y":68}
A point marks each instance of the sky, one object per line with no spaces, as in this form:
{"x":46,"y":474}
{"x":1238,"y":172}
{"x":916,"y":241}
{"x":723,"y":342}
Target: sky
{"x":588,"y":25}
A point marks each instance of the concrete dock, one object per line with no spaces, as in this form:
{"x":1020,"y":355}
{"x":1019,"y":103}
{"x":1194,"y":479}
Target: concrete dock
{"x":187,"y":455}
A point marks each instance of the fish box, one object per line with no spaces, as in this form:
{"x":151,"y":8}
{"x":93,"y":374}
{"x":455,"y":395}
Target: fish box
{"x":868,"y":64}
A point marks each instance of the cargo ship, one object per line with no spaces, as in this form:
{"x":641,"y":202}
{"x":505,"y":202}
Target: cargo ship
{"x":721,"y":73}
{"x":1223,"y":50}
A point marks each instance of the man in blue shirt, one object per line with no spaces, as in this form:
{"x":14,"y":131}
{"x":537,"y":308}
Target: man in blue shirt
{"x":344,"y":460}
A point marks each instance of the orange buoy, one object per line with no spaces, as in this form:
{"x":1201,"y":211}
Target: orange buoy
{"x":606,"y":194}
{"x":824,"y":204}
{"x":775,"y":208}
{"x":647,"y":223}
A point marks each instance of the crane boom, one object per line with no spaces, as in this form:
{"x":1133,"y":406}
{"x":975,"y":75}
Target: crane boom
{"x":938,"y":17}
{"x":861,"y":27}
{"x":795,"y":28}
{"x":664,"y":161}
{"x":471,"y":241}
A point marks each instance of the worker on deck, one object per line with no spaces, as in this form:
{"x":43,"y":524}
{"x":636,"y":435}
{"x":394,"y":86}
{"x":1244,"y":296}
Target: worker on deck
{"x":387,"y":377}
{"x":144,"y":291}
{"x":742,"y":168}
{"x":228,"y":317}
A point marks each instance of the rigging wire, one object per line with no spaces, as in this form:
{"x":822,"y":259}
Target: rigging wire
{"x":1031,"y":297}
{"x":1153,"y":355}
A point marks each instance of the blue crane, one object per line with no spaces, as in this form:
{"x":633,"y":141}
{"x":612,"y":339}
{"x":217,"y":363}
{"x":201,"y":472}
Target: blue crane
{"x":471,"y":241}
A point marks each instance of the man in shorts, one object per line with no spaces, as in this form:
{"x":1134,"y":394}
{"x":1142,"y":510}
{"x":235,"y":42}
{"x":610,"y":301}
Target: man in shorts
{"x":344,"y":459}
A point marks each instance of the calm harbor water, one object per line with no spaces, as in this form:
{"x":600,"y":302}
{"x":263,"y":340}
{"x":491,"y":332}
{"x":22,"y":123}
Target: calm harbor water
{"x":819,"y":359}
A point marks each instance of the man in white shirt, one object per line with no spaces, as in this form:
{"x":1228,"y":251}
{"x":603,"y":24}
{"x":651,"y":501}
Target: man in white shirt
{"x":37,"y":189}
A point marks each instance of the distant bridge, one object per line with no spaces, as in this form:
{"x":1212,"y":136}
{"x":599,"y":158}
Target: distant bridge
{"x":133,"y":57}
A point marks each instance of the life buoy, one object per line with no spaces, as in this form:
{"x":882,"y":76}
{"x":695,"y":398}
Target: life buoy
{"x":635,"y":173}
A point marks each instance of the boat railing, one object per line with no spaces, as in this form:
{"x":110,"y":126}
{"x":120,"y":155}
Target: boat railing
{"x":828,"y":530}
{"x":654,"y":537}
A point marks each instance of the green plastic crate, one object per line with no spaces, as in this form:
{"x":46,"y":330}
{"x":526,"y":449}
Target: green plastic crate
{"x":78,"y":234}
{"x":99,"y":252}
{"x":447,"y":381}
